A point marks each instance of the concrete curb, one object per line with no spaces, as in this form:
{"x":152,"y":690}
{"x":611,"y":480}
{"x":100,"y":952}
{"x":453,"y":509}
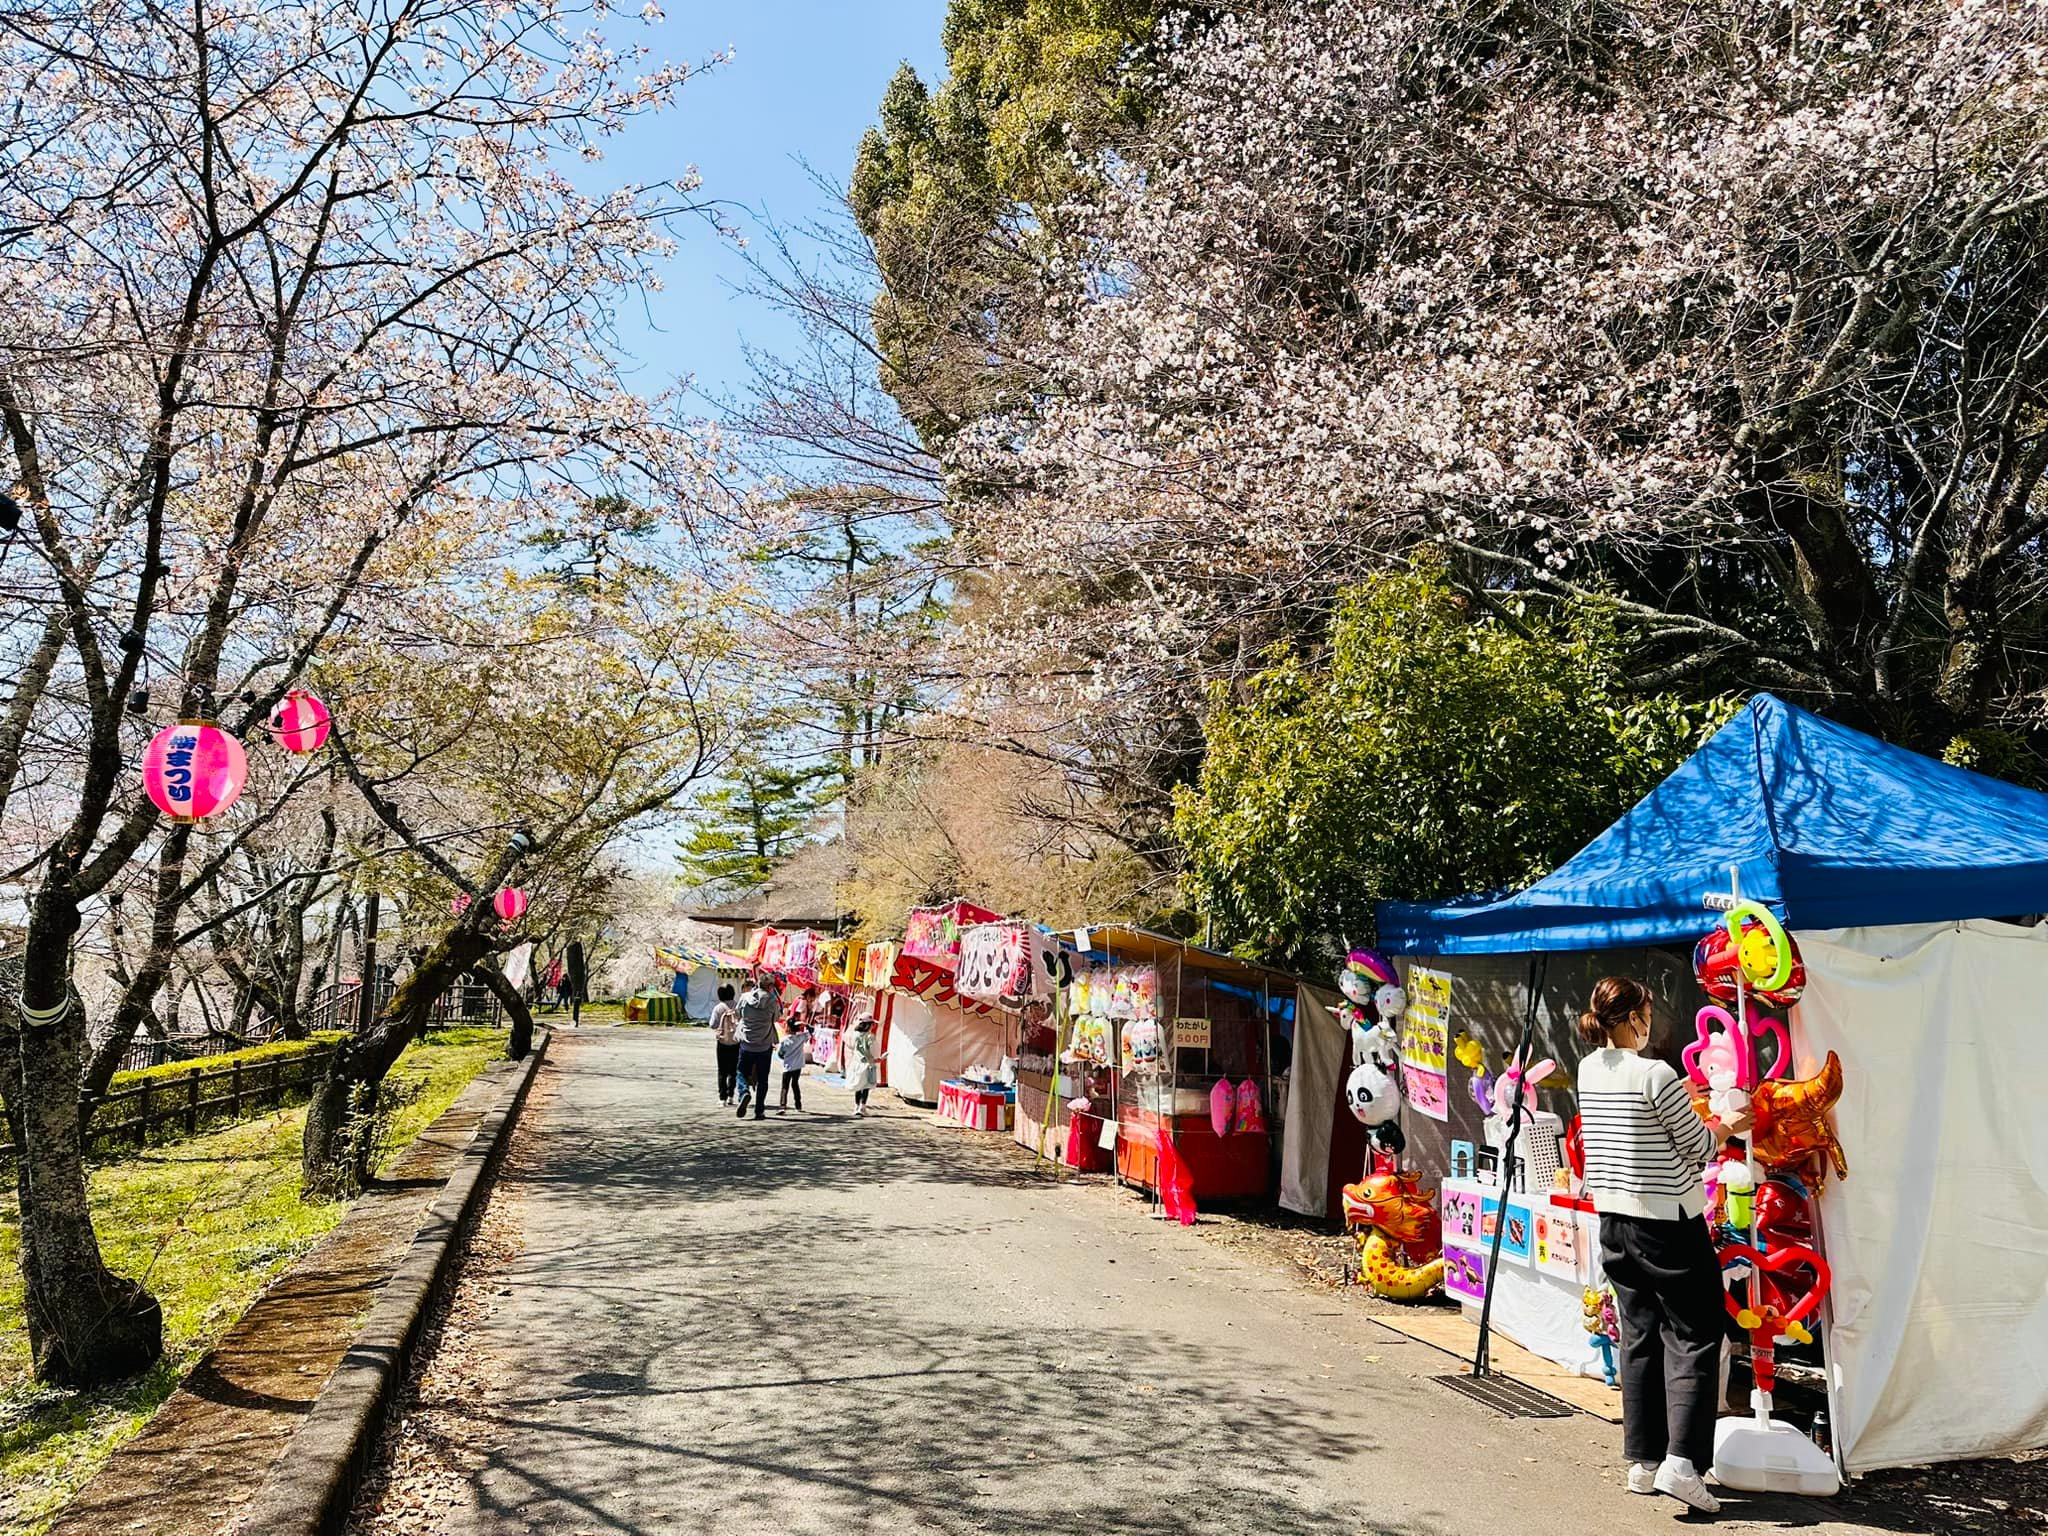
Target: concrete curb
{"x":311,"y":1487}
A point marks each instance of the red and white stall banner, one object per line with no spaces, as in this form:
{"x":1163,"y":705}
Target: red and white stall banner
{"x":973,"y":1108}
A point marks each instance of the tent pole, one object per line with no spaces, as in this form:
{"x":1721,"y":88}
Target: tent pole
{"x":1482,"y":1356}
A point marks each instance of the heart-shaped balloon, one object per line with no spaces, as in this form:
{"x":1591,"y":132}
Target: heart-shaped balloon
{"x":1777,"y":1262}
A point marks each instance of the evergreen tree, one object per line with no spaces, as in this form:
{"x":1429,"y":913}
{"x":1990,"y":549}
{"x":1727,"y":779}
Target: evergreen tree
{"x":759,"y":816}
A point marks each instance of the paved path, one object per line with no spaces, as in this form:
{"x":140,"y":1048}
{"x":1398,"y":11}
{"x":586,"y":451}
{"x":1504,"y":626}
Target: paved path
{"x":818,"y":1324}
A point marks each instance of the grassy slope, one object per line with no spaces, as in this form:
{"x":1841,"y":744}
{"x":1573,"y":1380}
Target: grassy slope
{"x":207,"y":1222}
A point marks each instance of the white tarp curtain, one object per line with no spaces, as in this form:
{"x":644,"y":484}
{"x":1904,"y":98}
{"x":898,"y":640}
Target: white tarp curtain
{"x":1321,"y":1059}
{"x":701,"y":995}
{"x":928,"y":1044}
{"x":1938,"y":1238}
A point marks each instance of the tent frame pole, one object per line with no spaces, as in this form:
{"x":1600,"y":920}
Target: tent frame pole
{"x":1482,"y":1355}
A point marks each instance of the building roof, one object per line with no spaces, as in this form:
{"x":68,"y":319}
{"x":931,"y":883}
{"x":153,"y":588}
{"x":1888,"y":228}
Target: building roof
{"x":1828,"y":827}
{"x":803,"y":892}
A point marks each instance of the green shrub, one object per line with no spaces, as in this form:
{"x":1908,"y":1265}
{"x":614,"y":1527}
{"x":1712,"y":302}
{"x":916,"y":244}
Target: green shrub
{"x":275,"y":1050}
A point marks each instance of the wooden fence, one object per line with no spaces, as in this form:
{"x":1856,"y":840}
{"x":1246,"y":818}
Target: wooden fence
{"x":190,"y":1100}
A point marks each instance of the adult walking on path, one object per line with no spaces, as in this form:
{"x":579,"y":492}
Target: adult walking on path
{"x":725,"y":1034}
{"x":758,"y":1009}
{"x":1645,"y":1152}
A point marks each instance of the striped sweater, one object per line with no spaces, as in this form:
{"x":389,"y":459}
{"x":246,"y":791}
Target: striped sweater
{"x":1645,"y":1148}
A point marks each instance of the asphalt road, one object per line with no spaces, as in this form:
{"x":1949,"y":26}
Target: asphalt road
{"x":818,"y":1324}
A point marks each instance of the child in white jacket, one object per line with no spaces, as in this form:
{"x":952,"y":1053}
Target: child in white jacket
{"x":795,"y":1045}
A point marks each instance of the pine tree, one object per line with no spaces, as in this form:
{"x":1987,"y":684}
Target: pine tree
{"x":760,"y":814}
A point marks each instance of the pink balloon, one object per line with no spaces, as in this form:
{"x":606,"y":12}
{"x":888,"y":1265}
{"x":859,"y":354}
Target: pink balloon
{"x":194,"y":770}
{"x":301,"y":722}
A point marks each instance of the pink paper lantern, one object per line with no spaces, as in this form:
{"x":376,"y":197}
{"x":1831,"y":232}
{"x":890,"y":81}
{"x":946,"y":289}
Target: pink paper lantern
{"x":194,"y":770}
{"x":301,"y":722}
{"x":509,"y":903}
{"x":460,"y":904}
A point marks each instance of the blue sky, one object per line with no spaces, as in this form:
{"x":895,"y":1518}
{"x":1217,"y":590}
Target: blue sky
{"x":803,"y":86}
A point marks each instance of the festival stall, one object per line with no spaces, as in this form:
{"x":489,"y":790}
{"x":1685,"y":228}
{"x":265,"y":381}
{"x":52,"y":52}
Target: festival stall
{"x":934,"y":1033}
{"x":1179,"y":1046}
{"x":1900,"y":1146}
{"x":698,"y":970}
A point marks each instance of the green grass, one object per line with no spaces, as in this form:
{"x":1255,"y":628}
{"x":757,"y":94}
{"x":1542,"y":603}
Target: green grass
{"x":206,"y":1224}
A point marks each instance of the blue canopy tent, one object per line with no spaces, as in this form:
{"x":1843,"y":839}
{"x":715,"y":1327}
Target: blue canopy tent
{"x":1830,"y":827}
{"x":1886,"y":865}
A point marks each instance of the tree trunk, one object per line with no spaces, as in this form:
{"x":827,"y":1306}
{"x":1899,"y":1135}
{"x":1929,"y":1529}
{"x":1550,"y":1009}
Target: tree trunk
{"x":86,"y":1325}
{"x":339,"y":1142}
{"x":515,"y":1010}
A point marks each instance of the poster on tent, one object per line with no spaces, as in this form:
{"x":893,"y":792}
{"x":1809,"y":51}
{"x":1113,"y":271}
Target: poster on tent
{"x":1426,"y":1044}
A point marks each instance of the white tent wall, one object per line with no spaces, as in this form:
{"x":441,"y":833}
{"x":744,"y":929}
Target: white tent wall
{"x":702,"y":993}
{"x":1321,"y":1056}
{"x":928,"y":1044}
{"x":1938,"y":1239}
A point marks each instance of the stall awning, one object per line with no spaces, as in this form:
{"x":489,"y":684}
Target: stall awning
{"x":1833,"y":828}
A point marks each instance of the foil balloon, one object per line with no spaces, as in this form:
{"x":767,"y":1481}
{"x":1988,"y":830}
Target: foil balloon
{"x":1389,"y":1003}
{"x":1401,"y":1252}
{"x":1373,"y":964}
{"x":1792,"y":1133}
{"x":1754,"y":945}
{"x":1373,"y":1093}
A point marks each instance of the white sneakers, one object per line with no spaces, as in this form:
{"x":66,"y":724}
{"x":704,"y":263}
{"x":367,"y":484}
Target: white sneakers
{"x":1679,"y":1478}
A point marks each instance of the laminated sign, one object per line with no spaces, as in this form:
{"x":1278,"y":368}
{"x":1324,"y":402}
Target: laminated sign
{"x":1426,"y":1043}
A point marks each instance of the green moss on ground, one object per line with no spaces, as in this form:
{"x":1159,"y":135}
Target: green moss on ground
{"x":207,"y":1224}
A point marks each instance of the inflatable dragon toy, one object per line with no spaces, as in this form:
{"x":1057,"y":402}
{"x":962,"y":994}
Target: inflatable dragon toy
{"x":1401,"y":1226}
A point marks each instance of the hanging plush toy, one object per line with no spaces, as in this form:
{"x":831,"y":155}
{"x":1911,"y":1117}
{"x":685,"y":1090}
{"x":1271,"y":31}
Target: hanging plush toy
{"x":1401,"y":1252}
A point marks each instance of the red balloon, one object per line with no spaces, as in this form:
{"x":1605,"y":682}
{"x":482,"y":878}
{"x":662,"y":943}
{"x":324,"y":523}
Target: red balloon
{"x":1717,"y":958}
{"x":509,"y":903}
{"x":301,"y":722}
{"x":194,"y":770}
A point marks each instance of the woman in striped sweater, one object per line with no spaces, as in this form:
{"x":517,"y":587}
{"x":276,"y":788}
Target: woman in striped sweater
{"x":1645,"y":1151}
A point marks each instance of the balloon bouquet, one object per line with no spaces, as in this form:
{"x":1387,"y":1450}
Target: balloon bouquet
{"x":1401,"y":1243}
{"x":1760,"y":1201}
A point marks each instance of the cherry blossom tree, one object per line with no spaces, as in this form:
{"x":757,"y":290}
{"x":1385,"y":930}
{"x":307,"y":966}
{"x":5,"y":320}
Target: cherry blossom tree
{"x":1728,"y":318}
{"x":297,"y":302}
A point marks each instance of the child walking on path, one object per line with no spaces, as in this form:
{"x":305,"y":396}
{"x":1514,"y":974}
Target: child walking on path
{"x":795,"y":1045}
{"x":862,"y":1047}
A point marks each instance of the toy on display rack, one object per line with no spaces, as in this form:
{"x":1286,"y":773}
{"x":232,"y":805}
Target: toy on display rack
{"x":1753,"y":946}
{"x":1603,"y":1323}
{"x":1401,"y":1249}
{"x":1763,"y":1227}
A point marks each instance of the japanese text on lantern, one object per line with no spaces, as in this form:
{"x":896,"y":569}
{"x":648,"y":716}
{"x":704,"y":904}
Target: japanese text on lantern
{"x":178,"y":766}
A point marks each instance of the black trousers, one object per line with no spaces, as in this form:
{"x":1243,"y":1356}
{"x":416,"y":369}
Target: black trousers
{"x":728,"y":1069}
{"x":793,"y":1087}
{"x":1667,"y":1292}
{"x":754,"y":1079}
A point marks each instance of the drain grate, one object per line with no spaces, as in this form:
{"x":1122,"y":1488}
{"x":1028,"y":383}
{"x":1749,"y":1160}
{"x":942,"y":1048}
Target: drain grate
{"x":1504,"y":1395}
